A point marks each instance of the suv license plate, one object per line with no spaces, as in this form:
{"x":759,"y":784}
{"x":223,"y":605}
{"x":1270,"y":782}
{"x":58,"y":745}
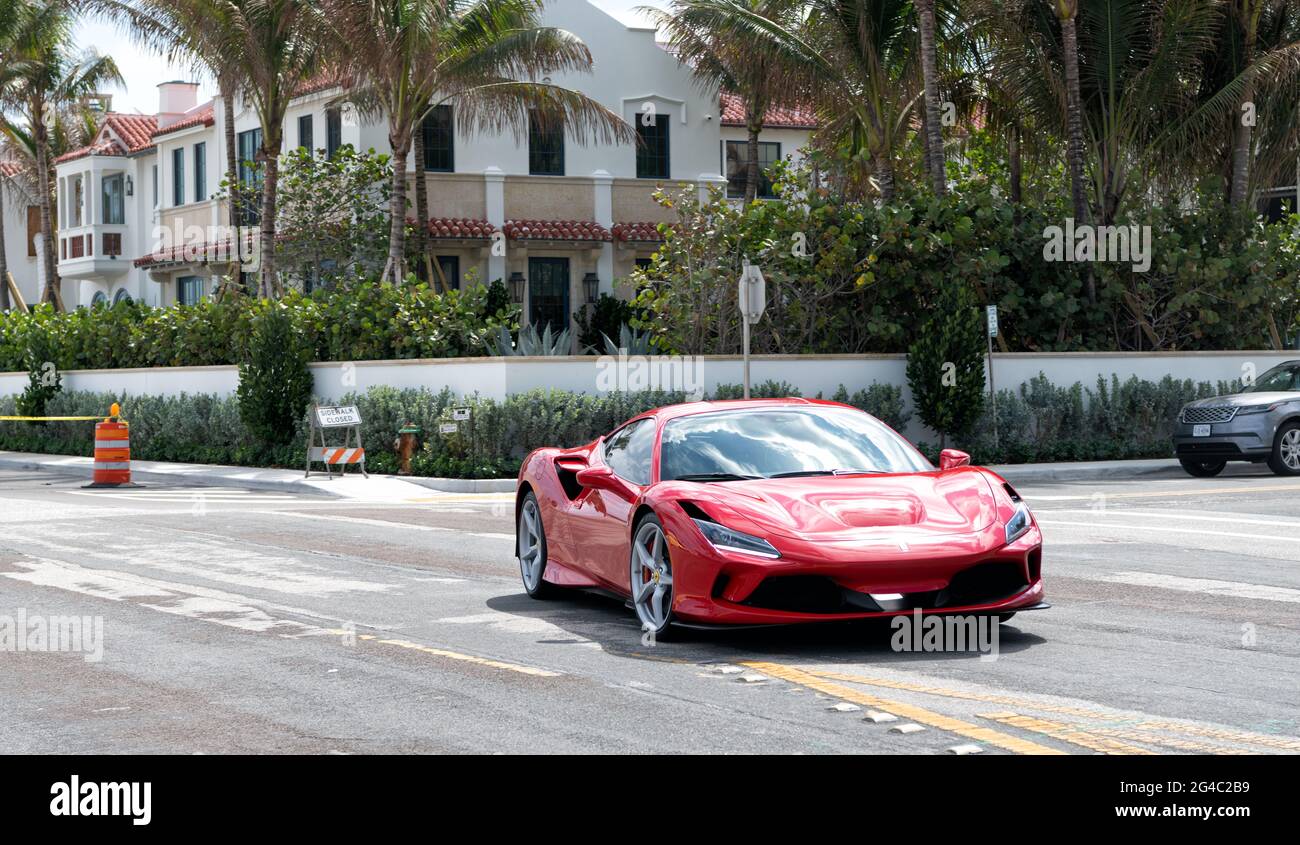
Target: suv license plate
{"x":1200,"y":431}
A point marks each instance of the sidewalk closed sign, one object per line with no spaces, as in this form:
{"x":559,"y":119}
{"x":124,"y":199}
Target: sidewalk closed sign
{"x":337,"y":417}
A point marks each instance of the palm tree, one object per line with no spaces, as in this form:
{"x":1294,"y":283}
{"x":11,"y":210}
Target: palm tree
{"x":930,"y":74}
{"x":742,"y":67}
{"x":410,"y":56}
{"x":197,"y":31}
{"x":857,"y":63}
{"x":1067,"y":14}
{"x":51,"y":78}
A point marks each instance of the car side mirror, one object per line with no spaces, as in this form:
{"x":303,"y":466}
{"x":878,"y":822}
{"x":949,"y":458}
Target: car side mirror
{"x":598,"y":478}
{"x":953,"y":458}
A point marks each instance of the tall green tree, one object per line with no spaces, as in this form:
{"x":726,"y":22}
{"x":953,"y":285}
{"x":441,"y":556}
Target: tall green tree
{"x":744,"y":67}
{"x":52,"y":77}
{"x":480,"y":56}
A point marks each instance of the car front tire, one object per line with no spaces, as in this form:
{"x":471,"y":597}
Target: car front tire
{"x":1285,"y":459}
{"x":1202,"y":469}
{"x":651,"y":579}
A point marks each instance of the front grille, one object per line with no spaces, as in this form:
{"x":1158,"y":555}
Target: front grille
{"x":1209,"y":414}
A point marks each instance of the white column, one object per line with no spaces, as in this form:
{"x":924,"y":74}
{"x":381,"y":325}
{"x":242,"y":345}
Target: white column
{"x":494,"y":197}
{"x":602,"y":184}
{"x":708,"y":181}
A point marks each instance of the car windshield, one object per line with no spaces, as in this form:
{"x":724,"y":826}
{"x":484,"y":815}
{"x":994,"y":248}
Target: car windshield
{"x":782,"y":442}
{"x":1276,"y":379}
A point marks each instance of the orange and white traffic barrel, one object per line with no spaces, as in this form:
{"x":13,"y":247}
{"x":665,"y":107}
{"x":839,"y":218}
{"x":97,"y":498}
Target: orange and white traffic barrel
{"x":112,"y":452}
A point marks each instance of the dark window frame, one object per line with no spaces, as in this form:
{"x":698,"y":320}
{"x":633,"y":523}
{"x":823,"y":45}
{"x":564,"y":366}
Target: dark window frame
{"x":178,"y":177}
{"x":653,"y":146}
{"x":438,"y":134}
{"x":305,"y":133}
{"x":545,"y":148}
{"x":763,"y":179}
{"x":200,"y":171}
{"x":333,"y":131}
{"x":114,"y":209}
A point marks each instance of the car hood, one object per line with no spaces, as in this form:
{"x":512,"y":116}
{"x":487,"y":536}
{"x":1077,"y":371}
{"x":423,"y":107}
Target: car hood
{"x":837,"y":508}
{"x":1243,"y":399}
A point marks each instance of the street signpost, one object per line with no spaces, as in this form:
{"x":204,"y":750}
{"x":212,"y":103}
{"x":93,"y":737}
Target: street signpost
{"x":753,"y":299}
{"x":991,"y":315}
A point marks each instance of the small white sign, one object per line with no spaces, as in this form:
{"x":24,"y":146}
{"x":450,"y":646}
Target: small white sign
{"x":338,"y":417}
{"x":753,"y":292}
{"x":992,"y":312}
{"x":460,"y":413}
{"x":448,"y":428}
{"x":1201,"y":431}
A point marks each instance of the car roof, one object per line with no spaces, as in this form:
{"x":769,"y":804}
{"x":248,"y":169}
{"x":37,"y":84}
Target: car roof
{"x":685,"y":409}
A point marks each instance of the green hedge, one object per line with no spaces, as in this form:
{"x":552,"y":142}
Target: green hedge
{"x":364,"y":323}
{"x":208,"y":429}
{"x":1113,"y":421}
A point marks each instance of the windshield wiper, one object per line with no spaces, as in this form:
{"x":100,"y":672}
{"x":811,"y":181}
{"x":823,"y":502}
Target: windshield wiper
{"x":810,"y":472}
{"x":715,"y":476}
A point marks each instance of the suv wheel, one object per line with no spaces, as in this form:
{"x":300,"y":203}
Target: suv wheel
{"x":1285,"y":459}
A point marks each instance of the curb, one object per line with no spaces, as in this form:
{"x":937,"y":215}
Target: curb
{"x":463,"y":485}
{"x":1086,"y":470}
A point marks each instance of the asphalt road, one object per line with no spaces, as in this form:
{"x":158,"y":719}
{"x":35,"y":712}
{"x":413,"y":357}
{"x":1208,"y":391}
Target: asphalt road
{"x":240,"y":621}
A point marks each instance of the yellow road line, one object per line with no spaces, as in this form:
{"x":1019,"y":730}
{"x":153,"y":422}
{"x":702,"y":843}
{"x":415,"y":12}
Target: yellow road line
{"x":997,"y":739}
{"x":1247,"y":737}
{"x":1152,"y":738}
{"x":454,"y":655}
{"x":1065,"y":733}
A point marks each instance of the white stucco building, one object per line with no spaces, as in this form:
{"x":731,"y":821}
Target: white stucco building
{"x":571,"y":214}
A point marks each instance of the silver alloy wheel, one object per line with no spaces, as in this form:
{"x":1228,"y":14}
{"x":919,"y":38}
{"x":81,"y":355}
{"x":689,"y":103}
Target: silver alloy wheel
{"x":1290,"y":449}
{"x":652,"y":577}
{"x":531,"y":559}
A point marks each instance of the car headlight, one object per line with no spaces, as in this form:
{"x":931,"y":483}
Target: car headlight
{"x":725,"y":539}
{"x":1257,"y":409}
{"x":1018,"y":524}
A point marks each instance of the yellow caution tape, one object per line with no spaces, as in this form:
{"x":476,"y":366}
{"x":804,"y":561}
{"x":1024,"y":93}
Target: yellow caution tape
{"x":51,"y":419}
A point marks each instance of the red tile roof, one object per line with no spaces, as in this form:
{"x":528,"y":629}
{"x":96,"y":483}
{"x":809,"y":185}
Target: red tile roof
{"x":200,"y":253}
{"x":10,"y":168}
{"x":459,"y":228}
{"x":556,"y":230}
{"x":323,"y":82}
{"x":202,"y":116}
{"x":732,"y":107}
{"x":130,"y":133}
{"x":640,"y":231}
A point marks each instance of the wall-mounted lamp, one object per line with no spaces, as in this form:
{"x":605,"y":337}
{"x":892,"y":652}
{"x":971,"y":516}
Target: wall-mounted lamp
{"x":130,"y":186}
{"x":591,"y":287}
{"x":517,"y":287}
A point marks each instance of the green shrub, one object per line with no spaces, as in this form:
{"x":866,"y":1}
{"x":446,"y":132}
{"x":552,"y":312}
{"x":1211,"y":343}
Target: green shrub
{"x":882,"y":401}
{"x":275,"y":384}
{"x":945,"y":366}
{"x":364,"y":322}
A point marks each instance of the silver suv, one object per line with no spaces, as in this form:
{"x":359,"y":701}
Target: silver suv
{"x":1262,"y":423}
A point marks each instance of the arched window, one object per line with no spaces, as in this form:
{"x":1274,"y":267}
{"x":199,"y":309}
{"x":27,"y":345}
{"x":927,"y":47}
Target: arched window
{"x":121,"y":296}
{"x":100,"y":298}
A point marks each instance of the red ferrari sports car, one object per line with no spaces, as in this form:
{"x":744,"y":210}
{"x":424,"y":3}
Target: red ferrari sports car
{"x":773,"y":511}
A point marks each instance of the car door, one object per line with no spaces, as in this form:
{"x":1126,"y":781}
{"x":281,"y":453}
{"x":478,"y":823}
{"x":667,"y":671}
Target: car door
{"x":600,"y":527}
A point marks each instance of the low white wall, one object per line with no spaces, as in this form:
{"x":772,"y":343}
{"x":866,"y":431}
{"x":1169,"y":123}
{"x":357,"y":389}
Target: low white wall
{"x":812,"y":374}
